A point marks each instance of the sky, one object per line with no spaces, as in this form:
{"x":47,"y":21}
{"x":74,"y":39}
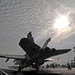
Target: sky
{"x":44,"y":18}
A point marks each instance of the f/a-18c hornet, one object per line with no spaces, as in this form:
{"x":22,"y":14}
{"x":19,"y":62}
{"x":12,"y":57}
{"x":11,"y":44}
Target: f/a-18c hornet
{"x":34,"y":55}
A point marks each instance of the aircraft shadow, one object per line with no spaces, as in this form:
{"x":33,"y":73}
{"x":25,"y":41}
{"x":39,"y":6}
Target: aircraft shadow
{"x":32,"y":73}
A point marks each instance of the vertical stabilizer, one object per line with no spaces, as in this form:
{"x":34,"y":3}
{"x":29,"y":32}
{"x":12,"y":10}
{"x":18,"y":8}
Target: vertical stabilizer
{"x":29,"y":36}
{"x":46,"y":43}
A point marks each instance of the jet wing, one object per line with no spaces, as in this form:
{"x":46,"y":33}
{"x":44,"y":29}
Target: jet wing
{"x":12,"y":56}
{"x":60,"y":51}
{"x":29,"y":47}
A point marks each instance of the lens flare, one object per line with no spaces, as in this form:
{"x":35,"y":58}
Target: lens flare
{"x":61,"y":22}
{"x":61,"y":27}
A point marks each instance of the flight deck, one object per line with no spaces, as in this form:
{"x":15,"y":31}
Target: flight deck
{"x":42,"y":71}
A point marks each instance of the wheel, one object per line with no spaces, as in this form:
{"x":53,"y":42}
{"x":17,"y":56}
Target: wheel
{"x":19,"y":68}
{"x":37,"y":68}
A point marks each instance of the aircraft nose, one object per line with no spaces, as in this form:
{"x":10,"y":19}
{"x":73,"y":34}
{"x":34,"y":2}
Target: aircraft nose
{"x":67,"y":50}
{"x":63,"y":51}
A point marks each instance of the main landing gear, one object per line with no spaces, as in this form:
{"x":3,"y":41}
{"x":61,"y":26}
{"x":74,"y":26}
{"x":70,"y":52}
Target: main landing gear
{"x":20,"y":68}
{"x":37,"y":68}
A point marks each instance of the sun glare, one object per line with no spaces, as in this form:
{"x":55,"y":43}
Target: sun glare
{"x":61,"y":22}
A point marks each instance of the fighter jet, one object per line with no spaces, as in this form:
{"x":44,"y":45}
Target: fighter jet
{"x":35,"y":55}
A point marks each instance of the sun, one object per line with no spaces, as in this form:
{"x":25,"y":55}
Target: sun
{"x":61,"y":22}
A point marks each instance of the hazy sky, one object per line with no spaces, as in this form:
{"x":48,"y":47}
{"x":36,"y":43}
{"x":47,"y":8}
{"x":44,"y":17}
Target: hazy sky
{"x":45,"y":18}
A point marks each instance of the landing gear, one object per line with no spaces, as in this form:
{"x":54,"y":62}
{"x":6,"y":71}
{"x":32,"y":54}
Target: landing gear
{"x":19,"y":68}
{"x":37,"y":68}
{"x":35,"y":65}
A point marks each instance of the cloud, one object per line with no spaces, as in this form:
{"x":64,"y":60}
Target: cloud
{"x":49,"y":31}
